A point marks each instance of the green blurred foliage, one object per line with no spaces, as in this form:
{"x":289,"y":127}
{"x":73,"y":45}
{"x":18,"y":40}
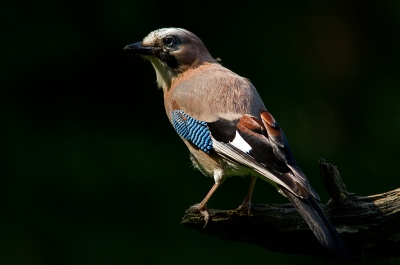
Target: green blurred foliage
{"x":93,"y":173}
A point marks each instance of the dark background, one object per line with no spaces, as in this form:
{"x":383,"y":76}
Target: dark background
{"x":93,"y":173}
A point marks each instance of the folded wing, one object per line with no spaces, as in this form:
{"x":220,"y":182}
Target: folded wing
{"x":260,"y":143}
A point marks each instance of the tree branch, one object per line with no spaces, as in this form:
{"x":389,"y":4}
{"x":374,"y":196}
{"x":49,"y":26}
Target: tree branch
{"x":370,"y":225}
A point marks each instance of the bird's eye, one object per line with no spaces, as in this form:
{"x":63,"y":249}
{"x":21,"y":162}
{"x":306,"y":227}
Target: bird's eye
{"x":170,"y":41}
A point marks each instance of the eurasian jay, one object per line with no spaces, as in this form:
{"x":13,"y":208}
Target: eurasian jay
{"x":222,"y":120}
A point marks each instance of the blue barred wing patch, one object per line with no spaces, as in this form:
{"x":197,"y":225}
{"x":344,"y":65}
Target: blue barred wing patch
{"x":191,"y":129}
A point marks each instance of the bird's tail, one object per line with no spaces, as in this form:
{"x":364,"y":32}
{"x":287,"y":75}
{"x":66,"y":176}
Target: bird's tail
{"x":322,"y":228}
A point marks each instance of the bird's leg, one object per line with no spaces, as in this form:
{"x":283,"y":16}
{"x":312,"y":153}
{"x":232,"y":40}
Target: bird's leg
{"x":202,"y":207}
{"x":246,"y":204}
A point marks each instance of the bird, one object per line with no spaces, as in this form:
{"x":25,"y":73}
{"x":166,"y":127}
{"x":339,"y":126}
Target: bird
{"x":222,"y":119}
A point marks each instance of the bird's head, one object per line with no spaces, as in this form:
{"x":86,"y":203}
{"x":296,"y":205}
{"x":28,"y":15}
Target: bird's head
{"x":172,"y":51}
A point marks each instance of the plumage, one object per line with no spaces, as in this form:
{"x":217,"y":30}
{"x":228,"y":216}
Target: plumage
{"x":222,"y":120}
{"x":191,"y":129}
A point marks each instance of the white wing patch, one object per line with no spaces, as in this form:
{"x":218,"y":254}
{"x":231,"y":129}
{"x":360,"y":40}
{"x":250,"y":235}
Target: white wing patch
{"x":240,"y":143}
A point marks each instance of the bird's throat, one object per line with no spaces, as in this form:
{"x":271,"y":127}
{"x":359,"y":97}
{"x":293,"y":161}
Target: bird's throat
{"x":164,"y":74}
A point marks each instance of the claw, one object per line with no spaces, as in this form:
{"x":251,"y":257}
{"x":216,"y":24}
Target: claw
{"x":202,"y":207}
{"x":245,"y":207}
{"x":204,"y":212}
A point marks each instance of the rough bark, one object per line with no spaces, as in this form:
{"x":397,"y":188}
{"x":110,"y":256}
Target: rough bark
{"x":370,"y":225}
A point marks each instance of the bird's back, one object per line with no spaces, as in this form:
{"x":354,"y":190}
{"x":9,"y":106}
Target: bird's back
{"x":211,"y":91}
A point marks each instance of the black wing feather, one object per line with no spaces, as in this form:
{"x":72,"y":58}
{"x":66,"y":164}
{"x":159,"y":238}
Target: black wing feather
{"x":223,"y":130}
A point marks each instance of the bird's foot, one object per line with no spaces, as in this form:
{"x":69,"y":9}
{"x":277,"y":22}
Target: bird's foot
{"x":203,"y":210}
{"x":245,"y":207}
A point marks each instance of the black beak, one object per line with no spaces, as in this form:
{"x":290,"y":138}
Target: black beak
{"x":137,"y":48}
